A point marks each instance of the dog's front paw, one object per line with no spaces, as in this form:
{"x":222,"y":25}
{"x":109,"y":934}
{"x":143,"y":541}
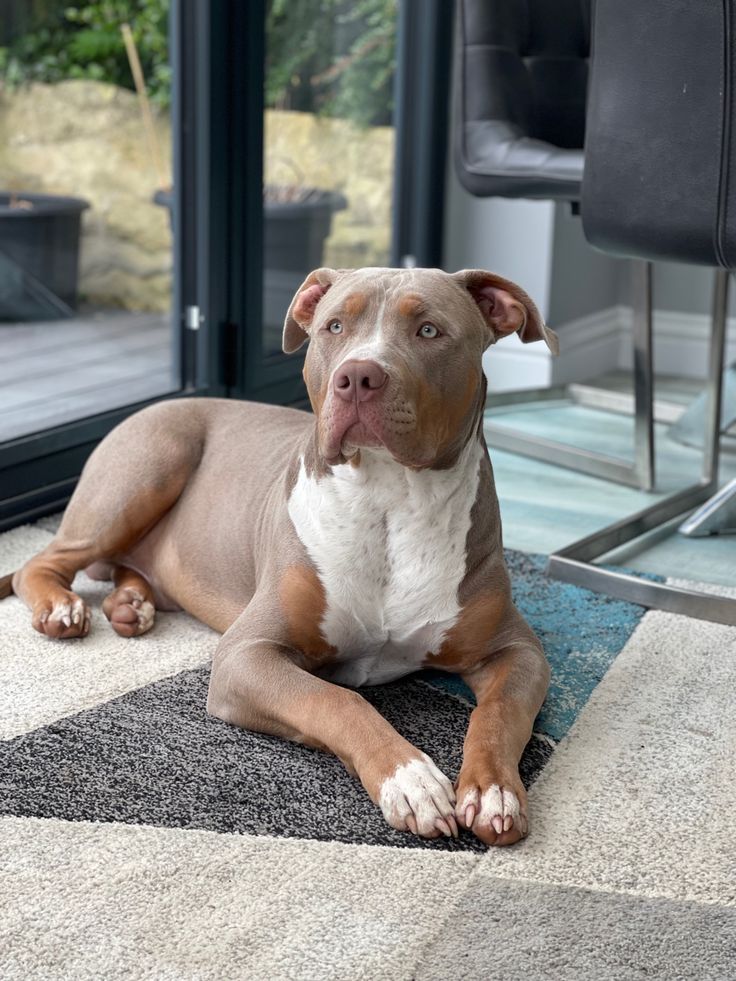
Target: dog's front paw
{"x":418,"y":797}
{"x":62,"y":616}
{"x":493,"y":808}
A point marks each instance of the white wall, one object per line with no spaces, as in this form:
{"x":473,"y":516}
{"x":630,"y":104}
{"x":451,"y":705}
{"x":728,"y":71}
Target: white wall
{"x":514,"y":239}
{"x":509,"y":237}
{"x":583,"y":294}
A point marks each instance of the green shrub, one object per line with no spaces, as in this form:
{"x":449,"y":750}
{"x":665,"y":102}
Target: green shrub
{"x":331,"y":57}
{"x":84,"y":41}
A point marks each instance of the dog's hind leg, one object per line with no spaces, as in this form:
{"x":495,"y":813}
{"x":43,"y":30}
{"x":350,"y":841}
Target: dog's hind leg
{"x":131,"y":480}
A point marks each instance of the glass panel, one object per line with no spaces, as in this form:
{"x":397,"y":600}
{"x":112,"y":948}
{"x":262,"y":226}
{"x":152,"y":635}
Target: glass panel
{"x":85,"y":250}
{"x":329,"y":143}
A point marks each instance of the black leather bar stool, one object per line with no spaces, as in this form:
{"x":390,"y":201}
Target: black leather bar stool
{"x":660,"y":183}
{"x":520,"y":92}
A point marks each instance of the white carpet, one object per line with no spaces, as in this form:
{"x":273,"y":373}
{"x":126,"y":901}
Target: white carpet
{"x":42,"y":680}
{"x":641,"y":798}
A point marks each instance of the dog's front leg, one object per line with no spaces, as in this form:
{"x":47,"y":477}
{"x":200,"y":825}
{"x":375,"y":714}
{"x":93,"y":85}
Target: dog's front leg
{"x":257,"y":684}
{"x":509,"y":689}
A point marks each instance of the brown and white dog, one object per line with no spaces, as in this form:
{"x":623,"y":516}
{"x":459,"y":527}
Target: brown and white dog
{"x":348,"y":547}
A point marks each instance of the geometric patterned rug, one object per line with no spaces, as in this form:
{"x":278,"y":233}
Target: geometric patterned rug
{"x":153,"y":756}
{"x":141,"y":838}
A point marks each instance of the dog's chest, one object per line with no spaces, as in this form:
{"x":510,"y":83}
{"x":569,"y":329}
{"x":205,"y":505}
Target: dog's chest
{"x":390,"y":550}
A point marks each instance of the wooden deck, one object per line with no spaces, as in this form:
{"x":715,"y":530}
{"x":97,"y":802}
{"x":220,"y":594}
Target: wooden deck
{"x":55,"y":372}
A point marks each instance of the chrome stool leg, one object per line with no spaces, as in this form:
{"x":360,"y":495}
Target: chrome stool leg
{"x":641,"y":282}
{"x":575,"y":563}
{"x":716,"y":517}
{"x":690,"y":427}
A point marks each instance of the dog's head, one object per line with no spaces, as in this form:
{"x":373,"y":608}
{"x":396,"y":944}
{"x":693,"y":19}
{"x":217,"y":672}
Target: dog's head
{"x":394,"y":357}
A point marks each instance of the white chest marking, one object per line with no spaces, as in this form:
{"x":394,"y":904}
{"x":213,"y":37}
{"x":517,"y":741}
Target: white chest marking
{"x":390,"y":548}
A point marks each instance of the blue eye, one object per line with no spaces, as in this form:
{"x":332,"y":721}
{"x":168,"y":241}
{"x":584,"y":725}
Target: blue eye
{"x":335,"y":327}
{"x":428,"y":330}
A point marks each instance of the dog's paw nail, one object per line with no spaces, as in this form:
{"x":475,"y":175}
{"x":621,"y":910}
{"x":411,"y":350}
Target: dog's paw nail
{"x":444,"y":827}
{"x":507,"y":822}
{"x":66,"y":620}
{"x":453,"y":825}
{"x":417,"y":796}
{"x":469,"y":815}
{"x":497,"y":822}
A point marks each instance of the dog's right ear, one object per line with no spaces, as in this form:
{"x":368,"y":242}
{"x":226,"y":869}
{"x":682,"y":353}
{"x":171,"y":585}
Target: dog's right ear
{"x":506,"y":308}
{"x":300,"y":314}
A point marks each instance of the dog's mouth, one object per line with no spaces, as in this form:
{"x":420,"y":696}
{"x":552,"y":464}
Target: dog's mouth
{"x":360,"y":434}
{"x":349,"y":433}
{"x":345,"y":434}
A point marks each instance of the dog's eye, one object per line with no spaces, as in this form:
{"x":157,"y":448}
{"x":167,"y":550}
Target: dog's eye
{"x":428,"y":330}
{"x":335,"y":327}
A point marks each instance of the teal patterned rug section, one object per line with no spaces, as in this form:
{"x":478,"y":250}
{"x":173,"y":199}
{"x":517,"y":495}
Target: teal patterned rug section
{"x":581,"y":631}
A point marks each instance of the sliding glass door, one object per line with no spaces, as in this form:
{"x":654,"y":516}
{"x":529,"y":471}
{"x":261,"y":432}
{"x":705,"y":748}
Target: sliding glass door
{"x":86,"y":267}
{"x":93,"y":318}
{"x":170,"y":171}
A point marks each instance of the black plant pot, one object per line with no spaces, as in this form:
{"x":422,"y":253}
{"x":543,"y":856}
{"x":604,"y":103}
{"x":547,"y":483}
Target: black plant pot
{"x":39,"y":246}
{"x":295,"y":229}
{"x":294,"y":236}
{"x":296,"y":226}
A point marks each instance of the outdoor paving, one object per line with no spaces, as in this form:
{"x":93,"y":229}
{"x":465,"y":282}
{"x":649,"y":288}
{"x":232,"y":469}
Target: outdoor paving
{"x":56,"y":371}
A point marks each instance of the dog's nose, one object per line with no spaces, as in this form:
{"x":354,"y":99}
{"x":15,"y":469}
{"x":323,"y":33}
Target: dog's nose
{"x":359,"y":380}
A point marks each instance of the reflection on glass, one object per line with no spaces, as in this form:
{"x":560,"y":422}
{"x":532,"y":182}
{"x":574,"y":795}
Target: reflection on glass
{"x":85,"y":253}
{"x":329,"y":143}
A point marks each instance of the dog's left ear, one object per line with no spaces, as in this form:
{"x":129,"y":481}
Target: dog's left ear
{"x":506,"y":308}
{"x":300,"y":314}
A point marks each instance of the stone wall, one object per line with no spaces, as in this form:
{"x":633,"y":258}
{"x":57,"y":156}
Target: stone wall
{"x":335,"y":154}
{"x":86,"y":139}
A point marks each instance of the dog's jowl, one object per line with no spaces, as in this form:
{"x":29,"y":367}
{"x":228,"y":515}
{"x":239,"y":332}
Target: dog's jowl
{"x":349,"y":546}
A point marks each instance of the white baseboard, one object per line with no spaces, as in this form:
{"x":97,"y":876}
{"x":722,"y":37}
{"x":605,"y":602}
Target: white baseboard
{"x":601,"y":342}
{"x":510,"y":365}
{"x":589,"y":346}
{"x":681,"y":342}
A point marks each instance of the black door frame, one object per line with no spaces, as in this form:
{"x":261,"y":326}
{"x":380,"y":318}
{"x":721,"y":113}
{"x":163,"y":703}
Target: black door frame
{"x":38,"y":472}
{"x":217,"y":56}
{"x":422,"y":120}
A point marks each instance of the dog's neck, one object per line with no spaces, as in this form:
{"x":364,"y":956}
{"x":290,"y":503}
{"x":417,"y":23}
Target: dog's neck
{"x":378,"y":472}
{"x":343,"y":497}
